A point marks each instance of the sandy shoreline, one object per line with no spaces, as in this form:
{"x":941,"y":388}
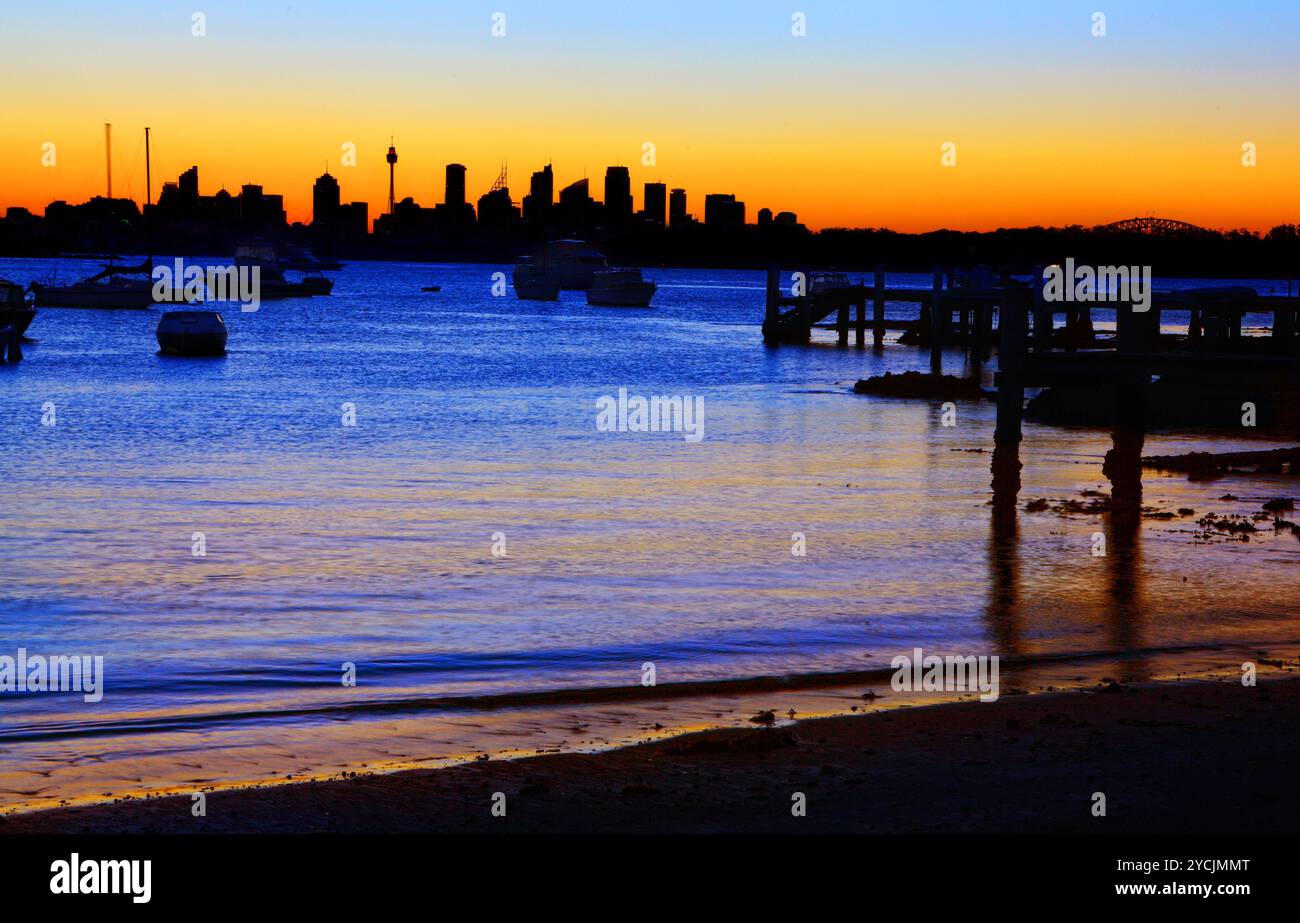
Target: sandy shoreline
{"x":1170,"y":757}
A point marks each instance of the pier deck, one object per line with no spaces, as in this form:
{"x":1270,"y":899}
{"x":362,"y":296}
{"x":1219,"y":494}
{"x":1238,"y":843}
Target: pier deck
{"x":1034,"y":352}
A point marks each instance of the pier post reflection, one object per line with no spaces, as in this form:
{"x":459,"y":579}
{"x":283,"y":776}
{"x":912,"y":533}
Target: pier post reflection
{"x":1123,"y":468}
{"x":1002,"y":612}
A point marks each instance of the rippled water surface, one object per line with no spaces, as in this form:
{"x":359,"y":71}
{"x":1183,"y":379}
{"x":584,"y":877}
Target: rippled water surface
{"x":372,"y":544}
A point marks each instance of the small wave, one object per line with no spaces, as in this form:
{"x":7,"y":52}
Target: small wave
{"x":410,"y":705}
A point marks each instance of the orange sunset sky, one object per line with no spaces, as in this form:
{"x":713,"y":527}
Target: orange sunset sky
{"x":844,"y":125}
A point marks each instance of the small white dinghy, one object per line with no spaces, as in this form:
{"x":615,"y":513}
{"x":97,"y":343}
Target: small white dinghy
{"x":192,"y":333}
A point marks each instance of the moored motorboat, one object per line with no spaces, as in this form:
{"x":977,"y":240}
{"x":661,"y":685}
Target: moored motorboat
{"x":571,"y":263}
{"x":621,"y":288}
{"x":823,"y":282}
{"x":273,"y":283}
{"x":307,"y":285}
{"x":300,"y":259}
{"x":533,"y":283}
{"x":192,"y":333}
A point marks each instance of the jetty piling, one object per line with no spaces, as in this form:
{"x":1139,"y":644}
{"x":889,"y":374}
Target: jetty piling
{"x":940,"y":317}
{"x":877,"y":309}
{"x":1013,"y":322}
{"x":1044,"y":314}
{"x":772,"y":314}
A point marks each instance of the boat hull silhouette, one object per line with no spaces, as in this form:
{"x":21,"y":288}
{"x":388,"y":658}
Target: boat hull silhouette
{"x":192,"y":333}
{"x":272,"y":265}
{"x":112,"y":294}
{"x":620,"y":289}
{"x":14,"y":310}
{"x":571,"y":264}
{"x":533,"y":283}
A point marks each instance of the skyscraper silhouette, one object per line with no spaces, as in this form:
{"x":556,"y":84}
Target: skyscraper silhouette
{"x":541,"y":196}
{"x":722,"y":212}
{"x":496,"y":211}
{"x":577,"y":211}
{"x":677,"y":207}
{"x":454,"y":196}
{"x":188,"y":184}
{"x":324,"y":199}
{"x":656,"y":203}
{"x":618,"y":195}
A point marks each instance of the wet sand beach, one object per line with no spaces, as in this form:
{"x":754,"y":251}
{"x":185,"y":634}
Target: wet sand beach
{"x":1203,"y":757}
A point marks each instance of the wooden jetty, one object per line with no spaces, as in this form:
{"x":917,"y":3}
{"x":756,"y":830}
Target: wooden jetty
{"x":953,"y":311}
{"x":832,"y":293}
{"x":1033,"y":351}
{"x":1213,"y":347}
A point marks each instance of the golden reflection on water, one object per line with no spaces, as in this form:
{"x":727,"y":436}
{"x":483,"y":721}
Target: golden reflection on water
{"x":628,"y":547}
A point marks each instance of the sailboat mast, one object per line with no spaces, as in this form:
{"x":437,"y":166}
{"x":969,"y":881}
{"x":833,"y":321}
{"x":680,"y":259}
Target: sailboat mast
{"x":108,"y":155}
{"x":148,"y":200}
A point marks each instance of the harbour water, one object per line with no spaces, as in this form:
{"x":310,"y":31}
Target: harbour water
{"x":372,"y":544}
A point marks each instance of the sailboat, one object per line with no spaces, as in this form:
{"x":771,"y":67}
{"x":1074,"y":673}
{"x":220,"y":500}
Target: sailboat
{"x":113,"y":286}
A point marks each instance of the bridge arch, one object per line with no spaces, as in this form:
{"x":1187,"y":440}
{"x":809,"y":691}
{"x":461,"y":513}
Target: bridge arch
{"x":1153,"y":225}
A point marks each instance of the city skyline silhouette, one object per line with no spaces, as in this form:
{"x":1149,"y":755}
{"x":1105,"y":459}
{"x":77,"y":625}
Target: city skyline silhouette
{"x":844,"y":124}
